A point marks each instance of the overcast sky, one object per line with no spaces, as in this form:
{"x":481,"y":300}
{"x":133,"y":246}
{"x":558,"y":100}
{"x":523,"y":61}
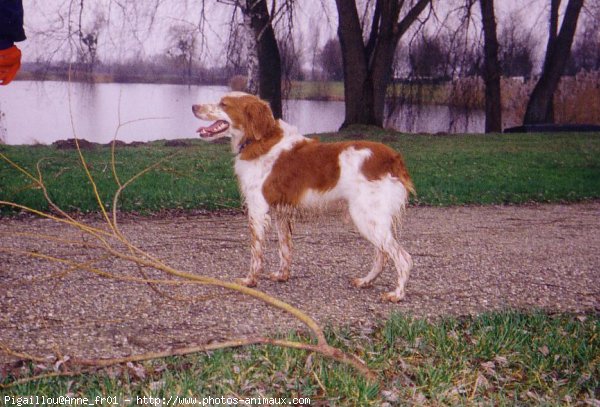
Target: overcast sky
{"x":140,"y":29}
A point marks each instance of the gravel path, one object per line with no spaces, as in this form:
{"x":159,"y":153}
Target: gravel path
{"x":467,"y":260}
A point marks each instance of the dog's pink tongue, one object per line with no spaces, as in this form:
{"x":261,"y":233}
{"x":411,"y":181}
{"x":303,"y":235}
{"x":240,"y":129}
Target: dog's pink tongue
{"x":217,"y":127}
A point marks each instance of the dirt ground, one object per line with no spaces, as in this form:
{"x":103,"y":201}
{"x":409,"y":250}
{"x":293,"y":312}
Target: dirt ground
{"x":467,"y":260}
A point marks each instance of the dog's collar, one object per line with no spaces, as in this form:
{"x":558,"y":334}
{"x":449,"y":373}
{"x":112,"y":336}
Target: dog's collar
{"x":243,"y":145}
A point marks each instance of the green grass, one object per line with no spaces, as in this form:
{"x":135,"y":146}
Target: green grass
{"x":447,"y":170}
{"x":200,"y":176}
{"x":504,"y":358}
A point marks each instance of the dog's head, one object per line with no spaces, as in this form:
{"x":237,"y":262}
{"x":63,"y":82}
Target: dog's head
{"x":241,"y":116}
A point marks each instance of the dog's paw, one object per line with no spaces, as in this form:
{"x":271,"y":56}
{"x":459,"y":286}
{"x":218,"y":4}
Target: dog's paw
{"x":360,"y":283}
{"x":279,"y":277}
{"x":248,"y":282}
{"x":393,"y":296}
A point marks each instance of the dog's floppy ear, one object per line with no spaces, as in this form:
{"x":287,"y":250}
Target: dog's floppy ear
{"x":259,"y":119}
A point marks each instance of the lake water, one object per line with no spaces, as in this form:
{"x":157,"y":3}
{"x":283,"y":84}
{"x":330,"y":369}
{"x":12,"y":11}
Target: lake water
{"x":42,"y":112}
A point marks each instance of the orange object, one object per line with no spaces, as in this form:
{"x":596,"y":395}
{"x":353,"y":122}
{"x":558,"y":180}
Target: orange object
{"x":10,"y":62}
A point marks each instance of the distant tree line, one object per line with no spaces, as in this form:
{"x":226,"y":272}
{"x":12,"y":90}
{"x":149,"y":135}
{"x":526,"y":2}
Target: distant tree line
{"x":155,"y":70}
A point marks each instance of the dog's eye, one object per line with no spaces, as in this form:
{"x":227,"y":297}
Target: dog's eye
{"x":221,"y":104}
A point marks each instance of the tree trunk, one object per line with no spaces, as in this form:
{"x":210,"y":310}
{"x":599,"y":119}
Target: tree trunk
{"x":493,"y":100}
{"x":540,"y":106}
{"x":252,"y":65}
{"x":382,"y":56}
{"x":358,"y":85}
{"x":368,"y":67}
{"x":269,"y":60}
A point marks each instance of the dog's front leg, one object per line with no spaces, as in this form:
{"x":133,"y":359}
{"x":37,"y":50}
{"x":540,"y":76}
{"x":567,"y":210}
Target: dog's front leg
{"x":283,"y":222}
{"x":259,"y":223}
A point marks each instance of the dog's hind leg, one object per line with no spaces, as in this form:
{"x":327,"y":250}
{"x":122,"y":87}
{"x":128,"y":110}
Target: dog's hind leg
{"x":404,"y":264}
{"x":378,"y":264}
{"x":377,"y":227}
{"x":283,"y":222}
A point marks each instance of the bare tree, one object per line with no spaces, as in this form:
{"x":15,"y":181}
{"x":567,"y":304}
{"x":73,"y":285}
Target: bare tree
{"x":263,"y":51}
{"x":540,"y":108}
{"x":516,"y":48}
{"x":291,"y":60}
{"x":493,"y":105}
{"x":183,"y":48}
{"x":88,"y":38}
{"x":85,"y":35}
{"x":314,"y":38}
{"x":368,"y":65}
{"x":269,"y":58}
{"x":429,"y":57}
{"x":330,"y":59}
{"x":585,"y":55}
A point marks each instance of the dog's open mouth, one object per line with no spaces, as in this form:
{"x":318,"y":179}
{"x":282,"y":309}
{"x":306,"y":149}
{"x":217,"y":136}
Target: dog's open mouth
{"x":216,"y":128}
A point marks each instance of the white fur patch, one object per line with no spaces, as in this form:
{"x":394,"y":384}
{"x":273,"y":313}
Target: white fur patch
{"x":253,"y":173}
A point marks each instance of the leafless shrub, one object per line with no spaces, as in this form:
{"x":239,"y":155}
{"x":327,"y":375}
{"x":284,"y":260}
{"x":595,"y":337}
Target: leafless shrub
{"x":515,"y":92}
{"x":577,"y":99}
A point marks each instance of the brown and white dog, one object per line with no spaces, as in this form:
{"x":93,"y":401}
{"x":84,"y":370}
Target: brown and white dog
{"x":279,"y":169}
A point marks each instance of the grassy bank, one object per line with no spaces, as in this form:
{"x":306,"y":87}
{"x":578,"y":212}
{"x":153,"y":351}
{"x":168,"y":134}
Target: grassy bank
{"x":495,"y":359}
{"x":447,"y":170}
{"x":199,"y":176}
{"x":316,"y":90}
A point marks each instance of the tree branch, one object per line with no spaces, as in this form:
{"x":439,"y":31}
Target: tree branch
{"x":410,"y":18}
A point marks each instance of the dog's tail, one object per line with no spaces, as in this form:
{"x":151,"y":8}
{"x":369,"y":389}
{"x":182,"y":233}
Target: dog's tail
{"x":401,"y":172}
{"x":385,"y":160}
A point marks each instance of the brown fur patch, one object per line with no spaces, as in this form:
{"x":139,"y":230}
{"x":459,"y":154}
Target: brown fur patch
{"x":308,"y":165}
{"x":254,"y":116}
{"x":314,"y":165}
{"x":385,"y":161}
